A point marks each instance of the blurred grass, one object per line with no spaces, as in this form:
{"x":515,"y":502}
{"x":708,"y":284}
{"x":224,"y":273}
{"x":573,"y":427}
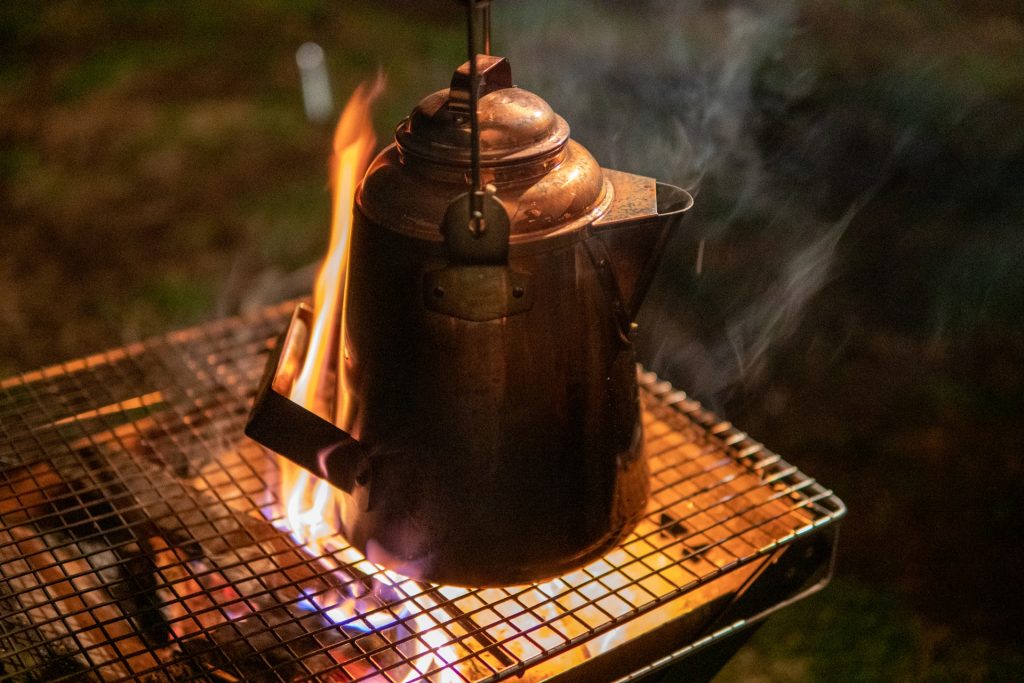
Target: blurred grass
{"x":854,"y":631}
{"x":159,"y":155}
{"x":851,"y":632}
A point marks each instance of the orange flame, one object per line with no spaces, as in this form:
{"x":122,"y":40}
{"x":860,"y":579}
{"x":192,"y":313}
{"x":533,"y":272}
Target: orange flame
{"x":309,"y":503}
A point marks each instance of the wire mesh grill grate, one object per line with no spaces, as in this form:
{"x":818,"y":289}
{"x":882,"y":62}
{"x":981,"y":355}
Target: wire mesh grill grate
{"x":139,"y":538}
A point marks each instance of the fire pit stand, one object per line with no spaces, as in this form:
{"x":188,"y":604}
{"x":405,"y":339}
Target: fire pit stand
{"x":140,"y":539}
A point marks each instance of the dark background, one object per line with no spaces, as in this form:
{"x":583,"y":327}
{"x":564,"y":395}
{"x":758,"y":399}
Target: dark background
{"x":858,"y":170}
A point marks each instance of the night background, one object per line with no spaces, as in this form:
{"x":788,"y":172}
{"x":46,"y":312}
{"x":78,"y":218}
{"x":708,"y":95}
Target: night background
{"x":848,"y":288}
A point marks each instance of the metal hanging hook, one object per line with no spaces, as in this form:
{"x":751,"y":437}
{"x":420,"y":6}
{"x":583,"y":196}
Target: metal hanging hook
{"x":485,"y":16}
{"x":482,"y":10}
{"x":476,"y":213}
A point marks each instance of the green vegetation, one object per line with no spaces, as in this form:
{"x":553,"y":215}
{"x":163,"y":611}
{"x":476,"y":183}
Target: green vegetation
{"x":859,"y":632}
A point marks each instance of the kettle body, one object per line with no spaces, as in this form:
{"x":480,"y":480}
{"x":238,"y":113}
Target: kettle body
{"x":497,"y":403}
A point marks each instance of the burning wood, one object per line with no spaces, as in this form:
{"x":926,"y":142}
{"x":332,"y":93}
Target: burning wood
{"x":63,"y":598}
{"x":136,"y":581}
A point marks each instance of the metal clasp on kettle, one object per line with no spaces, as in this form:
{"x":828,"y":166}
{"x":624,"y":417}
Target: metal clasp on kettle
{"x":477,"y":284}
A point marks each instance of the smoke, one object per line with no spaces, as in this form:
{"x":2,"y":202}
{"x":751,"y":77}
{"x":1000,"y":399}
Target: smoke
{"x":676,"y":90}
{"x":779,"y":310}
{"x":655,"y":87}
{"x":711,"y":363}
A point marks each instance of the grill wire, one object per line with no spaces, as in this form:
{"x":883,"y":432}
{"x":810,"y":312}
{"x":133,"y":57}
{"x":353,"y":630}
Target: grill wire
{"x":139,"y":537}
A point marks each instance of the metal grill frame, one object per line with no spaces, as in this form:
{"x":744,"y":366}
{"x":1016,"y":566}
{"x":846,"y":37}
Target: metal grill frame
{"x":166,"y":416}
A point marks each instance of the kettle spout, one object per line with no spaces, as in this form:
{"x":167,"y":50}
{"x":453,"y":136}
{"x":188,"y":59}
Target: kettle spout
{"x":633,"y":232}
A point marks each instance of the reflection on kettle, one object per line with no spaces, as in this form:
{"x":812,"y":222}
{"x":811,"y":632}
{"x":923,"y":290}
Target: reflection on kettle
{"x":491,"y":432}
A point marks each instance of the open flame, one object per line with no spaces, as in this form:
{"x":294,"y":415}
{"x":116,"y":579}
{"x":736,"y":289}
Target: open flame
{"x":310,"y":508}
{"x":309,"y":502}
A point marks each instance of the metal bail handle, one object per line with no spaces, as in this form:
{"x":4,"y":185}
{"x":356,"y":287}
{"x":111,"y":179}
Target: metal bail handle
{"x":483,"y":10}
{"x":477,"y":284}
{"x":476,"y":225}
{"x":476,"y":196}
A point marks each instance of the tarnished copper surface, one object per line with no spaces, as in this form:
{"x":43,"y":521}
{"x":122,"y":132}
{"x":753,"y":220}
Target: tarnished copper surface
{"x":489,"y":375}
{"x":411,"y":197}
{"x":545,"y":180}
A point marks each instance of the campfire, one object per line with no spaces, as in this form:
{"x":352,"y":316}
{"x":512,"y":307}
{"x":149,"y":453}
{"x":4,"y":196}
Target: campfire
{"x":484,"y":427}
{"x":143,"y":536}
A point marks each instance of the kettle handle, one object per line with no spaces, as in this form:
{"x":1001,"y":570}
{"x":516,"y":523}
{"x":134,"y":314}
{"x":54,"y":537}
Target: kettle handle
{"x":290,"y":429}
{"x":477,"y":284}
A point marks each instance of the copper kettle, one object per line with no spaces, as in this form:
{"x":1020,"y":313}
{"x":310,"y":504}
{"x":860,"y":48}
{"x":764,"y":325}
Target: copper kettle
{"x":492,"y":433}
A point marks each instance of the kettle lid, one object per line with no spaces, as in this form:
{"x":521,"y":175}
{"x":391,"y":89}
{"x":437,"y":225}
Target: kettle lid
{"x":545,"y":180}
{"x":515,"y":125}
